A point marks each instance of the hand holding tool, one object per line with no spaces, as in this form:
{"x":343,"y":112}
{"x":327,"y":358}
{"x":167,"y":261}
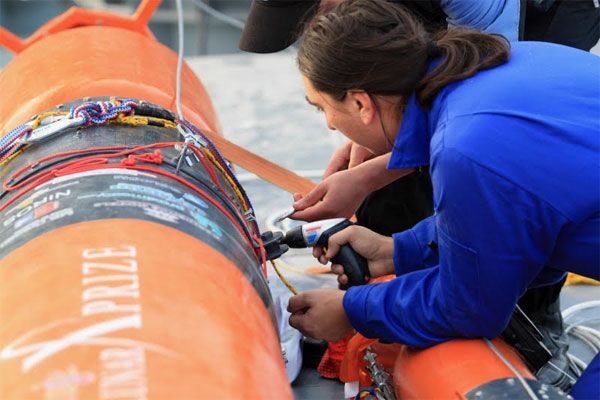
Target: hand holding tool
{"x":317,"y":234}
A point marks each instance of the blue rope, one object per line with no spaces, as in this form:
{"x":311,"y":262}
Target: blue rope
{"x":97,"y":113}
{"x":7,"y":149}
{"x":93,"y":113}
{"x":13,"y":134}
{"x":8,"y":143}
{"x":13,"y":148}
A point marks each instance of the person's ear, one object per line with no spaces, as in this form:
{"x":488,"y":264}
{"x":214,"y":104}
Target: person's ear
{"x":363,"y":105}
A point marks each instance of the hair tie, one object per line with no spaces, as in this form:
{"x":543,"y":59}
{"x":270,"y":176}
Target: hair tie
{"x":433,"y":50}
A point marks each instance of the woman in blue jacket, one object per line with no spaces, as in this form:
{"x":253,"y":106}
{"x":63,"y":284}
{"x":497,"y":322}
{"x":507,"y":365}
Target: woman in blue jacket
{"x":512,"y":138}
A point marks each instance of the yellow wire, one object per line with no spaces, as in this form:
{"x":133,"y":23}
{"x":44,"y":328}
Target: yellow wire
{"x":16,"y":153}
{"x":136,"y":120}
{"x":287,"y":283}
{"x":39,"y":118}
{"x":231,"y":182}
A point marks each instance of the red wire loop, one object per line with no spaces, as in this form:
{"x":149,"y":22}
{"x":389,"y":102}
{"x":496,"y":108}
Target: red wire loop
{"x":155,"y":157}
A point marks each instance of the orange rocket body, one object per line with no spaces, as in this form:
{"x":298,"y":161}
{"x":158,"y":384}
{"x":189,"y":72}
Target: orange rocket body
{"x":120,"y":276}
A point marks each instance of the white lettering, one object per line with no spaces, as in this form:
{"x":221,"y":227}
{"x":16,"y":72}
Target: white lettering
{"x":130,"y":266}
{"x":102,"y":292}
{"x":52,"y":197}
{"x":108,"y":307}
{"x":123,"y":374}
{"x":122,"y":251}
{"x":109,"y":278}
{"x":85,"y":336}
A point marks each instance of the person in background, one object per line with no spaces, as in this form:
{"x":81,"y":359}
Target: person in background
{"x":391,"y":201}
{"x":511,"y":137}
{"x":567,"y":22}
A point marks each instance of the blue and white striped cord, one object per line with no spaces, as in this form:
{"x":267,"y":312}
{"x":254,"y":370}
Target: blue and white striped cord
{"x":14,"y":134}
{"x":93,"y":113}
{"x":97,"y":113}
{"x":8,"y":143}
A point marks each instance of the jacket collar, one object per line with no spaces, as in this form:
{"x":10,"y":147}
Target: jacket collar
{"x":411,"y":147}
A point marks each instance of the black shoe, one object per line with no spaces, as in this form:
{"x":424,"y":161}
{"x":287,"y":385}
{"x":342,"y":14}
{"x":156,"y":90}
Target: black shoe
{"x":542,"y":307}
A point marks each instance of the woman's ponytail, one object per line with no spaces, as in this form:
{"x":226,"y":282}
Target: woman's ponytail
{"x":463,"y":53}
{"x":381,"y":48}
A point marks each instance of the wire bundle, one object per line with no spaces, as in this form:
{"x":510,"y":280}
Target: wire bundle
{"x":122,"y":111}
{"x":113,"y":157}
{"x":218,"y":160}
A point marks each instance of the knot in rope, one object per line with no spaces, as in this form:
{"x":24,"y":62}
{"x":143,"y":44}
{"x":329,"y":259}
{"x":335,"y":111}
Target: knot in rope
{"x":100,"y":112}
{"x":155,"y":157}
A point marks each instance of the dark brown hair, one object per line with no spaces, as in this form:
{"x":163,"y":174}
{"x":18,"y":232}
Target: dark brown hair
{"x":381,"y":48}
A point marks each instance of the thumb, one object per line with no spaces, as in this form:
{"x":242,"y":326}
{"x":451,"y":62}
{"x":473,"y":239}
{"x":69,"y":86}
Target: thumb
{"x":332,"y":168}
{"x":338,"y":240}
{"x":312,"y":197}
{"x":339,"y":160}
{"x":298,"y":303}
{"x":358,"y":155}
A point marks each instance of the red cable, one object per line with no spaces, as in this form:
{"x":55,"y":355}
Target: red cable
{"x":263,"y":254}
{"x":102,"y":158}
{"x":211,"y":171}
{"x":6,"y":185}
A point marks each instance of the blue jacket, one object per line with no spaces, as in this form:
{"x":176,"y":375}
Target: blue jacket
{"x":494,"y":16}
{"x":514,"y":155}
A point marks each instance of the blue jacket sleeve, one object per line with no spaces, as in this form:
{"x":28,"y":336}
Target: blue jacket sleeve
{"x":492,"y":16}
{"x":414,"y":248}
{"x":494,"y":238}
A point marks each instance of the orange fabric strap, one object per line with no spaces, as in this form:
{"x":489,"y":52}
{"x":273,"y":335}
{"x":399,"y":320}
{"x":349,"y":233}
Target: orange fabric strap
{"x":267,"y":170}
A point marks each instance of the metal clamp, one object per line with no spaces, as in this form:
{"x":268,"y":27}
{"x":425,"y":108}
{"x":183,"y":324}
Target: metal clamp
{"x":50,"y":126}
{"x":191,"y":137}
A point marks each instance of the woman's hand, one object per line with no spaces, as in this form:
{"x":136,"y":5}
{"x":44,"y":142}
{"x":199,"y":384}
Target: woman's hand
{"x":347,"y":156}
{"x":378,"y":250}
{"x":320,"y":314}
{"x":339,"y":195}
